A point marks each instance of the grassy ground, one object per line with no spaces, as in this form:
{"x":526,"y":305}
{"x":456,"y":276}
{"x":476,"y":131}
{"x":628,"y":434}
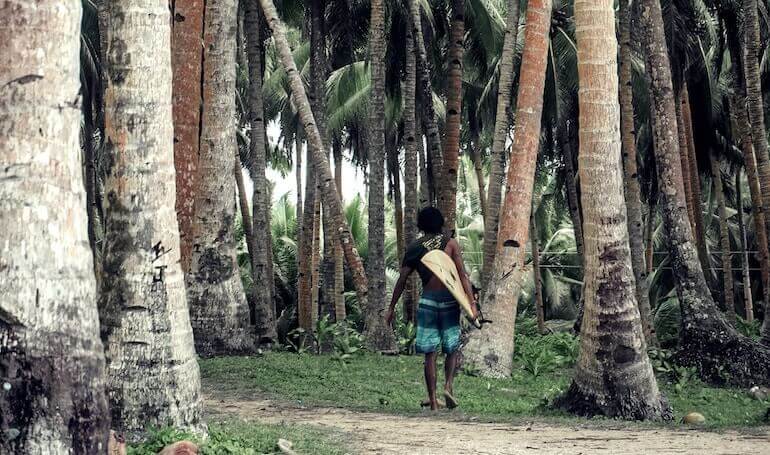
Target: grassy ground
{"x":394,"y":384}
{"x":247,"y":438}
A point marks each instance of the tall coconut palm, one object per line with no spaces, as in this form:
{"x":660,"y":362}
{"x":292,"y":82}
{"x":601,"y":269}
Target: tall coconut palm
{"x":218,"y":308}
{"x":451,"y":146}
{"x":53,"y":400}
{"x":632,"y":190}
{"x":186,"y":61}
{"x":491,"y":350}
{"x":378,"y":335}
{"x":695,"y":184}
{"x":707,"y":341}
{"x":330,"y":194}
{"x":751,"y":42}
{"x":748,"y":302}
{"x":502,"y":128}
{"x":724,"y":237}
{"x":411,"y":152}
{"x":613,"y":375}
{"x":434,"y":157}
{"x":339,"y":272}
{"x":264,"y":307}
{"x":153,"y":376}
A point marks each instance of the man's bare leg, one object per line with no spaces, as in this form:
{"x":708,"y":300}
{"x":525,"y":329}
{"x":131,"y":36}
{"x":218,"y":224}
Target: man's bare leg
{"x":450,"y":365}
{"x":430,"y":379}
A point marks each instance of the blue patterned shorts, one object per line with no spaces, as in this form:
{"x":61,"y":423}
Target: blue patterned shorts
{"x":438,"y":323}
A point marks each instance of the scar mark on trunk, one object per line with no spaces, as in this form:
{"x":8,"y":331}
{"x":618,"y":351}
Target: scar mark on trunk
{"x":26,"y":79}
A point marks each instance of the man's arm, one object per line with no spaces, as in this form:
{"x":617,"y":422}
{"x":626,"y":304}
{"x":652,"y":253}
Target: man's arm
{"x":457,"y":257}
{"x":397,"y":291}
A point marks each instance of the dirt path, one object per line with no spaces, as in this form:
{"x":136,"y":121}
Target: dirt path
{"x":371,"y":433}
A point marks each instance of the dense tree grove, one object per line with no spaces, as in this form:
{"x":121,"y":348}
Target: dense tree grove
{"x":603,"y":165}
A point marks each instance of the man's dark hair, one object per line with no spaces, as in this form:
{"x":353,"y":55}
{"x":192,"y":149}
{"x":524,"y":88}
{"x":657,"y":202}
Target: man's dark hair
{"x":430,"y":220}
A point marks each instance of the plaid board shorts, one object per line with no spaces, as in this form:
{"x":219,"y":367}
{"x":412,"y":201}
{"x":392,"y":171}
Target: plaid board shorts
{"x":438,"y":323}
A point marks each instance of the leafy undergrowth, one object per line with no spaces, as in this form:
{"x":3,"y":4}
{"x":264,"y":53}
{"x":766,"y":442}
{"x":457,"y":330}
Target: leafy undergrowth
{"x":394,"y":384}
{"x":244,"y":438}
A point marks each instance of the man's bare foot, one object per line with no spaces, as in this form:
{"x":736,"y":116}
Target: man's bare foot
{"x":426,"y":403}
{"x":451,"y":401}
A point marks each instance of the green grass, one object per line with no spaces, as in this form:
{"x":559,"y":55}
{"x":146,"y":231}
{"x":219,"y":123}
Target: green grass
{"x":246,"y":438}
{"x":394,"y":385}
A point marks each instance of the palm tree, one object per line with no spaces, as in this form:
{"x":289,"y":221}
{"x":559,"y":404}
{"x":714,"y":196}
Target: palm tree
{"x":451,"y":147}
{"x":631,"y":183}
{"x":329,"y":191}
{"x":695,"y":184}
{"x":264,"y":306}
{"x":539,"y":310}
{"x":218,"y":308}
{"x":747,"y":297}
{"x":411,"y":152}
{"x":186,"y":61}
{"x":50,"y":354}
{"x":501,"y":130}
{"x":751,"y":41}
{"x":491,"y":350}
{"x":724,"y":237}
{"x":707,"y":341}
{"x":153,"y":375}
{"x":339,"y":272}
{"x":613,"y":375}
{"x":378,"y":335}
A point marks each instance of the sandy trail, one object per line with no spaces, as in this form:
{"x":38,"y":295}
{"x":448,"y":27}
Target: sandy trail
{"x":373,"y":433}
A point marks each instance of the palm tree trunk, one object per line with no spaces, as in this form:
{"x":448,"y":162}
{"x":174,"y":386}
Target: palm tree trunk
{"x":264,"y":308}
{"x":751,"y":42}
{"x":684,"y":160}
{"x":51,"y":358}
{"x":378,"y":336}
{"x":425,"y":180}
{"x":491,"y":350}
{"x":695,"y":185}
{"x":248,"y":226}
{"x":298,"y":155}
{"x":573,"y":200}
{"x":539,"y":309}
{"x":724,"y":238}
{"x":187,"y":63}
{"x":322,"y":169}
{"x":631,"y":181}
{"x":479,"y":169}
{"x":395,"y":188}
{"x":153,"y":376}
{"x":613,"y":376}
{"x":748,"y":303}
{"x":448,"y":196}
{"x":306,"y":252}
{"x":707,"y":341}
{"x":425,"y":90}
{"x":339,"y":271}
{"x":649,"y":240}
{"x":502,"y":128}
{"x":315,"y":263}
{"x":218,"y":308}
{"x":411,"y":151}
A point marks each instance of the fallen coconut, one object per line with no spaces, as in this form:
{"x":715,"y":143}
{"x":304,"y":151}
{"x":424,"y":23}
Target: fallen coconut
{"x":693,"y":418}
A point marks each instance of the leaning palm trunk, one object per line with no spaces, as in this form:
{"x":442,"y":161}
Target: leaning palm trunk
{"x":51,"y":359}
{"x":329,"y":191}
{"x":153,"y":377}
{"x":613,"y":376}
{"x":707,"y":341}
{"x":748,"y":303}
{"x":448,"y":195}
{"x":218,"y":308}
{"x":378,"y":335}
{"x":264,"y":310}
{"x":684,"y":161}
{"x":186,"y":61}
{"x":502,"y":128}
{"x":435,"y":155}
{"x":724,"y":238}
{"x":491,"y":350}
{"x":631,"y":182}
{"x":751,"y":42}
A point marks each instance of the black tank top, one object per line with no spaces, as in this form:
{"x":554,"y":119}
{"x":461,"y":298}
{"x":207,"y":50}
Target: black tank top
{"x":420,"y":248}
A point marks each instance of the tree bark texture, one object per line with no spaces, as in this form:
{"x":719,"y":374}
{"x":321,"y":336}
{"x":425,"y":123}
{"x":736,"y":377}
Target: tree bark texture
{"x":152,"y":372}
{"x":631,"y":179}
{"x":187,"y":63}
{"x":451,"y":146}
{"x":264,"y":308}
{"x":425,"y":90}
{"x":707,"y":341}
{"x":491,"y":350}
{"x":684,"y":161}
{"x":378,"y":335}
{"x":306,"y":245}
{"x":329,"y":191}
{"x":748,"y":302}
{"x":218,"y":308}
{"x":724,"y":238}
{"x":412,"y":149}
{"x":613,"y":376}
{"x":51,"y":359}
{"x":539,"y":308}
{"x":573,"y":200}
{"x":502,"y":128}
{"x":340,"y":313}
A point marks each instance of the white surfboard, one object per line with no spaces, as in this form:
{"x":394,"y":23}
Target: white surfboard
{"x":443,"y":267}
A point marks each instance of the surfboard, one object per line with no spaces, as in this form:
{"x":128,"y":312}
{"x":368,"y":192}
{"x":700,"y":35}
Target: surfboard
{"x":443,"y":267}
